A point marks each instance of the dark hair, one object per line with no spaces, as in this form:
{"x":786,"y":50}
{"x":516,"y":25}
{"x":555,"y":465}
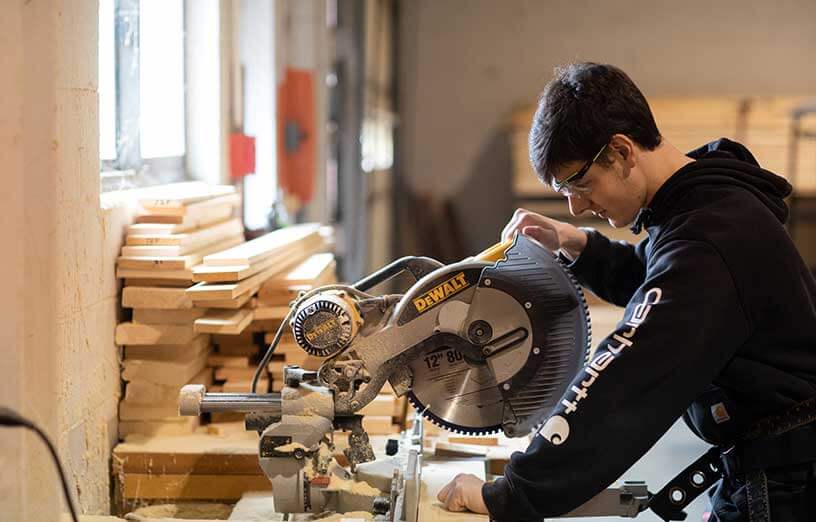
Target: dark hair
{"x":579,"y":112}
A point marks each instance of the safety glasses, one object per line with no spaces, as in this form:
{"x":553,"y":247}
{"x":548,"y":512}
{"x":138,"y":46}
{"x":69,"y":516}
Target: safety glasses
{"x":565,"y":184}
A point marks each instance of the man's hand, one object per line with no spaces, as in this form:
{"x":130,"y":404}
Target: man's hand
{"x":463,"y":493}
{"x":553,"y":234}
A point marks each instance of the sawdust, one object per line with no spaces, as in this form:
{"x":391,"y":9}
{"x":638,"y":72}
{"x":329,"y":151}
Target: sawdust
{"x":352,"y":486}
{"x":199,"y":511}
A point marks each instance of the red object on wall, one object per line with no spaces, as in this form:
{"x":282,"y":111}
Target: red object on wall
{"x":296,"y":133}
{"x":242,"y":155}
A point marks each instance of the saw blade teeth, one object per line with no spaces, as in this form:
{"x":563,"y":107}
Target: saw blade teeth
{"x":441,"y":423}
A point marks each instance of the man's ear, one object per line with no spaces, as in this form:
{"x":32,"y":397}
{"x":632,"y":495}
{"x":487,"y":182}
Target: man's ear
{"x":625,"y":149}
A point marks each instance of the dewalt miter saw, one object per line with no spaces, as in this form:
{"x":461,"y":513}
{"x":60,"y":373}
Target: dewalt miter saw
{"x":484,"y":345}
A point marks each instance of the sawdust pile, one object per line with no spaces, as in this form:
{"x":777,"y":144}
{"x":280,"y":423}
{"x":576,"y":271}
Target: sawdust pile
{"x":198,"y":511}
{"x":337,"y":517}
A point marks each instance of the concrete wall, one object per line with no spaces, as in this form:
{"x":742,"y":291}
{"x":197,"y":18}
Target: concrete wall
{"x":466,"y":64}
{"x":60,"y":365}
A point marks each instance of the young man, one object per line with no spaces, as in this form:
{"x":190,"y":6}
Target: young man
{"x":720,"y":319}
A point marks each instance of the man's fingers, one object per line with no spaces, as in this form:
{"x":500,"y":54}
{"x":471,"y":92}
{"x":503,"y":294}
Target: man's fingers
{"x":442,"y":496}
{"x":545,"y":236}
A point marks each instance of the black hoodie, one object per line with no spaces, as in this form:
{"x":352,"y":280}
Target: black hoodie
{"x":717,"y":298}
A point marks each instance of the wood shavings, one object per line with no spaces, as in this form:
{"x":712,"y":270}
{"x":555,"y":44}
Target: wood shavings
{"x":187,"y":511}
{"x":291,"y":447}
{"x":352,"y":515}
{"x":352,"y":486}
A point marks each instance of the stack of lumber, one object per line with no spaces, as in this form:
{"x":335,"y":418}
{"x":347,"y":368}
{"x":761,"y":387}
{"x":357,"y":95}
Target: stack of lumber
{"x":178,"y":225}
{"x":761,"y":124}
{"x":186,"y":468}
{"x":230,"y":286}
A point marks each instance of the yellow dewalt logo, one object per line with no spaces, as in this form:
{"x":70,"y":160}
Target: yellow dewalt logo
{"x":441,"y":292}
{"x":320,"y":329}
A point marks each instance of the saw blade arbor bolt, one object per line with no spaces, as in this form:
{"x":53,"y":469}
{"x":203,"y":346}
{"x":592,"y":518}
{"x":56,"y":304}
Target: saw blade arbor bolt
{"x":480,"y":332}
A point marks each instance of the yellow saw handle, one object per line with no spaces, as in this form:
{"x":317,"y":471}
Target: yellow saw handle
{"x":496,"y":252}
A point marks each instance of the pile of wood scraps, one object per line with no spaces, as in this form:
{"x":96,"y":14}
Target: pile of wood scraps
{"x":178,"y":225}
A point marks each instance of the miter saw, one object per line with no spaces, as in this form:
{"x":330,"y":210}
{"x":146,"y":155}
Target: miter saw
{"x":484,"y":345}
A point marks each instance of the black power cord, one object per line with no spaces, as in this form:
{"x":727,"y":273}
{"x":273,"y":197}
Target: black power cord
{"x":9,"y":417}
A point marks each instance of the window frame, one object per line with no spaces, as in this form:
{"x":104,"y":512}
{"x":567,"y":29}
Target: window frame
{"x":129,"y":169}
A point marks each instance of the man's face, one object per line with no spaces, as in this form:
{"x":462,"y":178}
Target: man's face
{"x":608,"y":191}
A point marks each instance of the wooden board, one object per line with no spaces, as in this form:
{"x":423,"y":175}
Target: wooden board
{"x":253,"y":251}
{"x":157,"y":283}
{"x":235,"y":374}
{"x":138,"y":334}
{"x":224,"y":321}
{"x":179,"y":244}
{"x":381,"y":405}
{"x":232,"y":455}
{"x":218,"y":360}
{"x":175,"y":198}
{"x":148,"y":393}
{"x":210,"y":291}
{"x":235,"y":350}
{"x":129,"y":411}
{"x":165,"y":427}
{"x":163,"y":372}
{"x":169,"y":352}
{"x":271,"y":312}
{"x":228,"y":304}
{"x":158,"y":316}
{"x":379,"y":424}
{"x":315,"y":268}
{"x":233,"y":386}
{"x":156,"y":277}
{"x":156,"y":298}
{"x":188,"y":225}
{"x":284,"y":259}
{"x":182,"y":262}
{"x":435,"y":475}
{"x":192,"y":487}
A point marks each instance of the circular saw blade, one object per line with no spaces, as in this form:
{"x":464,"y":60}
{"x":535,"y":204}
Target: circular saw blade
{"x":464,"y":396}
{"x":455,"y":394}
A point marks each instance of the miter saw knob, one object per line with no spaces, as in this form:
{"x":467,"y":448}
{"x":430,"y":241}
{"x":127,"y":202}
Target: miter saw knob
{"x":326,"y":323}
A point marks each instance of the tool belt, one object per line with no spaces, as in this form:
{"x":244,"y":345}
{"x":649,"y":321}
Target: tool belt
{"x":775,"y":441}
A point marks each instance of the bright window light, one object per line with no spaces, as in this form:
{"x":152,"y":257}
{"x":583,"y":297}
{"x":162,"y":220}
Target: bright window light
{"x":161,"y":78}
{"x":107,"y":81}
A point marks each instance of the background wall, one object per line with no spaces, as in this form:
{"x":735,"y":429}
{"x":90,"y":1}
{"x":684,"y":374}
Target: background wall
{"x":466,"y":64}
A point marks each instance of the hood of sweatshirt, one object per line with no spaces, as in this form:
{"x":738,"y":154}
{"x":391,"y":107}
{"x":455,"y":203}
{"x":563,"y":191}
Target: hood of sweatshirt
{"x":721,"y":162}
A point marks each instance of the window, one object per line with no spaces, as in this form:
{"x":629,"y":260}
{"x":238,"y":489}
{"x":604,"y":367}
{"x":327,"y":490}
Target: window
{"x":142,"y":113}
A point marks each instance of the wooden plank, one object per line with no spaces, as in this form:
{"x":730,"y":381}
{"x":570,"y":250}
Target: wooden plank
{"x":435,"y":475}
{"x":158,"y":316}
{"x":165,"y":427}
{"x":179,"y":244}
{"x":235,"y":374}
{"x":196,"y":216}
{"x":228,"y":361}
{"x":150,"y":393}
{"x":156,"y":298}
{"x":210,"y":291}
{"x":233,"y":386}
{"x":315,"y":268}
{"x":132,"y":333}
{"x":169,"y":352}
{"x":175,"y":198}
{"x":271,"y":312}
{"x":264,"y":246}
{"x":229,"y":304}
{"x":229,"y":273}
{"x":236,"y":454}
{"x":176,"y":262}
{"x":229,"y":350}
{"x":159,"y":283}
{"x":192,"y":487}
{"x":163,"y":372}
{"x":157,"y":277}
{"x":224,"y":321}
{"x":379,"y":425}
{"x":130,"y":411}
{"x":215,"y":215}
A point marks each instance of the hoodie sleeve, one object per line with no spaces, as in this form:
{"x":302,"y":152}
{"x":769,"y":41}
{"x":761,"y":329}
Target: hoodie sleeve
{"x":679,"y":330}
{"x":612,"y":270}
